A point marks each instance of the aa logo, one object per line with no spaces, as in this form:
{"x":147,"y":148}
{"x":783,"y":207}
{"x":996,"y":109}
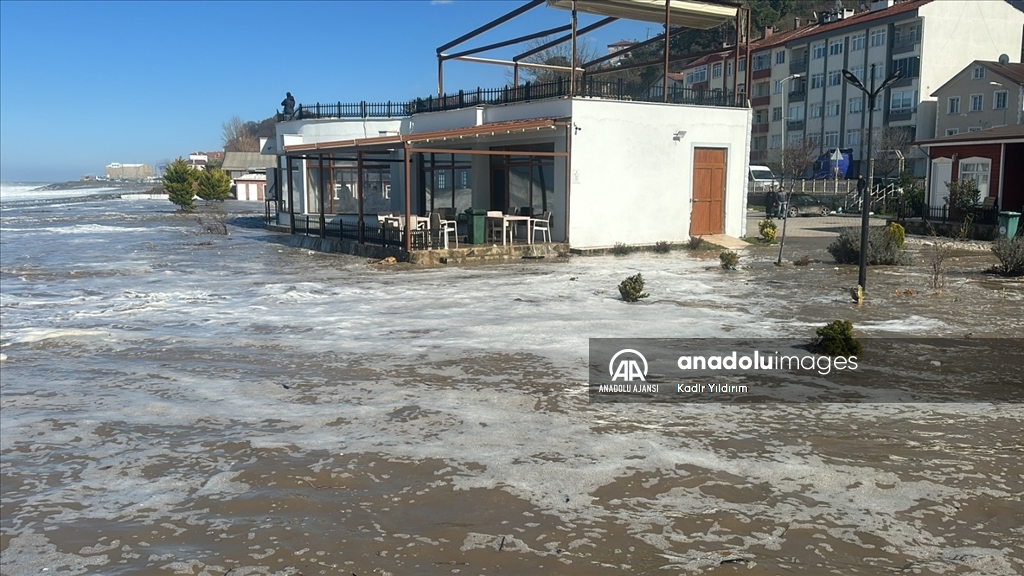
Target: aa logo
{"x":627,"y":368}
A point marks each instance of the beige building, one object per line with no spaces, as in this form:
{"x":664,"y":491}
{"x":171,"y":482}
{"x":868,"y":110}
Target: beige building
{"x":118,"y":171}
{"x":983,"y":95}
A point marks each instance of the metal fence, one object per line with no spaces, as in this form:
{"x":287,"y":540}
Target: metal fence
{"x":977,"y":214}
{"x":309,"y":225}
{"x":588,"y":88}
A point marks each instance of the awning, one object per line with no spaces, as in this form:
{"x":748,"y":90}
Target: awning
{"x":383,"y":143}
{"x":688,"y":13}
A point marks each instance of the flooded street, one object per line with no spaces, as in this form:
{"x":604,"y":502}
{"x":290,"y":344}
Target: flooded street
{"x":181,"y":403}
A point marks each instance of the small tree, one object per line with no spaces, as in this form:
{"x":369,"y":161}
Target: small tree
{"x":963,"y":194}
{"x":836,"y":339}
{"x":214,"y":185}
{"x":180,"y":184}
{"x":632,"y":288}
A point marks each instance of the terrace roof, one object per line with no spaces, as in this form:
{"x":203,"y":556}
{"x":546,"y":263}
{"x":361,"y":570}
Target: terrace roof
{"x":686,"y":13}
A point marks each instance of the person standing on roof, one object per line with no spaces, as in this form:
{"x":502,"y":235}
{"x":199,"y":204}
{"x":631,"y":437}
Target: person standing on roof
{"x":289,"y":105}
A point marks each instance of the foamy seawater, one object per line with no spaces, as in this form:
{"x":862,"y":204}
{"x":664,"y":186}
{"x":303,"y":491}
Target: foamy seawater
{"x":182,"y":403}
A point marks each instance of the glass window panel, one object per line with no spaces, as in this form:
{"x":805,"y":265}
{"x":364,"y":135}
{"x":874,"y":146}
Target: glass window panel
{"x":519,"y":186}
{"x":313,"y":191}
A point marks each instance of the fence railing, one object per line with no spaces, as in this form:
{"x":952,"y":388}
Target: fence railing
{"x":309,"y":225}
{"x":588,"y":88}
{"x":978,"y":214}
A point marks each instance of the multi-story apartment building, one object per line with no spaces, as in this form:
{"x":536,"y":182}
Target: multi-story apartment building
{"x":797,"y":88}
{"x":983,"y":95}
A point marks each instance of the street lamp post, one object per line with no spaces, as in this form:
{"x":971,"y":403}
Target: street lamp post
{"x":785,"y":121}
{"x":862,"y":277}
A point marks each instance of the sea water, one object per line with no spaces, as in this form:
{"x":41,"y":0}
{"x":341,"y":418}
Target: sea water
{"x":186,"y":403}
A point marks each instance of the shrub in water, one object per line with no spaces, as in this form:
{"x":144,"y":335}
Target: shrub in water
{"x":897,"y":233}
{"x":768,"y":230}
{"x":1011,"y":256}
{"x":802,"y":261}
{"x":662,"y":247}
{"x":695,"y":242}
{"x":729,"y":259}
{"x":836,"y":339}
{"x":632,"y":288}
{"x":882,"y":248}
{"x":621,"y":249}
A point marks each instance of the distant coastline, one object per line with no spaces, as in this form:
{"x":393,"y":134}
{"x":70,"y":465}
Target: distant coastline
{"x":80,"y":184}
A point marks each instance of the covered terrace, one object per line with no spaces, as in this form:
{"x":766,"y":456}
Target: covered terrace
{"x":513,"y":170}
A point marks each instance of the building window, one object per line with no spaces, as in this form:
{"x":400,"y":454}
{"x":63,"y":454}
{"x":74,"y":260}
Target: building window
{"x":760,"y":143}
{"x":832,"y":108}
{"x":976,"y":169}
{"x":796,"y":112}
{"x":778,"y":87}
{"x":818,"y":51}
{"x":780,"y":57}
{"x":855,"y":105}
{"x":879,"y":71}
{"x":832,"y":139}
{"x":857,"y":42}
{"x":853,"y":137}
{"x":761,"y":90}
{"x":777,"y":114}
{"x":817,"y":80}
{"x":716,"y":71}
{"x":835,"y":48}
{"x":776,"y":140}
{"x":953,"y":105}
{"x":741,"y":89}
{"x":835,"y":78}
{"x":815,"y":110}
{"x":978,"y":73}
{"x":977,"y":102}
{"x":952,"y":131}
{"x":728,"y":68}
{"x":762,"y":60}
{"x":903,"y":101}
{"x":974,"y":129}
{"x":878,"y":38}
{"x":999,"y":100}
{"x":909,"y":67}
{"x":814,"y":138}
{"x":743,"y":65}
{"x":760,"y":116}
{"x":858,"y":71}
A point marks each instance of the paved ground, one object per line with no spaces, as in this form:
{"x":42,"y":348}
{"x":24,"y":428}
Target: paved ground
{"x":805,"y":235}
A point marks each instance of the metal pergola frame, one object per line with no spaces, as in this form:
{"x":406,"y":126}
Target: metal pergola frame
{"x":743,"y":38}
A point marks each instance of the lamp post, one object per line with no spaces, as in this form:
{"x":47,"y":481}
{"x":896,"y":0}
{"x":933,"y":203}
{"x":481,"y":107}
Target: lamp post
{"x":862,"y":277}
{"x":785,"y":121}
{"x":1005,"y":104}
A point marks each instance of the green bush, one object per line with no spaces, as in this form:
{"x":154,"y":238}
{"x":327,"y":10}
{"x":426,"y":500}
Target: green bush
{"x":632,"y":288}
{"x":696,"y":242}
{"x":662,"y":247}
{"x":180,"y":181}
{"x":897,"y":234}
{"x":802,"y":261}
{"x":964,"y":194}
{"x":1011,"y":256}
{"x":729,"y":259}
{"x":913,"y":194}
{"x":768,"y":230}
{"x":836,"y":339}
{"x":882,"y":247}
{"x":621,"y":249}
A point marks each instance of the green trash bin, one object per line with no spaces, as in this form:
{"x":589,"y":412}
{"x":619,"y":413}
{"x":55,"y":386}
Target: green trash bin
{"x":475,"y":225}
{"x":1008,"y":224}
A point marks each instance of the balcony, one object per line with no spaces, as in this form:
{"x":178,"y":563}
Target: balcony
{"x":760,"y":101}
{"x":763,"y":73}
{"x":798,"y":96}
{"x":760,"y":128}
{"x":906,"y":44}
{"x":616,"y":90}
{"x":901,"y":114}
{"x":798,"y":65}
{"x":794,"y":125}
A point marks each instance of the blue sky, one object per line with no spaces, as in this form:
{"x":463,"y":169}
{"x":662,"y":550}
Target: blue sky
{"x":84,"y":84}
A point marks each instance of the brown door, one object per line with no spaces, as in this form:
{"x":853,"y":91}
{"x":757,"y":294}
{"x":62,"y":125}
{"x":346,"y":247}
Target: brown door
{"x":708,"y":213}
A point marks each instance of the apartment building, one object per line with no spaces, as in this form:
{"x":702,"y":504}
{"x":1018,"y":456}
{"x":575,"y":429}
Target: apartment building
{"x":797,"y":88}
{"x":983,"y":95}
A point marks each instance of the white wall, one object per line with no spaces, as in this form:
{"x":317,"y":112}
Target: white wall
{"x":327,"y":130}
{"x":632,"y":182}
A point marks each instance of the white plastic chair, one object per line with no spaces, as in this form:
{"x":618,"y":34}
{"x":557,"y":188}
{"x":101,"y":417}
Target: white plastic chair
{"x":542,"y":225}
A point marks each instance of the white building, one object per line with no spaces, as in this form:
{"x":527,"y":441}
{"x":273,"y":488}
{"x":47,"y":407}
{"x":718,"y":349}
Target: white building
{"x":608,"y":169}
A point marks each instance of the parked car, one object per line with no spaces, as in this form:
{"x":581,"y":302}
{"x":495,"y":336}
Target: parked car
{"x":807,"y":205}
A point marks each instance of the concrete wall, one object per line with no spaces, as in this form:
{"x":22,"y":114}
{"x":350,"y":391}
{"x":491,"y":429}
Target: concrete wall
{"x":963,"y":85}
{"x":631,"y":181}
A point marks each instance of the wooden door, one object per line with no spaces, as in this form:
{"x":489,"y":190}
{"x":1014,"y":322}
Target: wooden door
{"x":708,"y":212}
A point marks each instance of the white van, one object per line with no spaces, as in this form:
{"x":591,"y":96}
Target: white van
{"x":761,"y":178}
